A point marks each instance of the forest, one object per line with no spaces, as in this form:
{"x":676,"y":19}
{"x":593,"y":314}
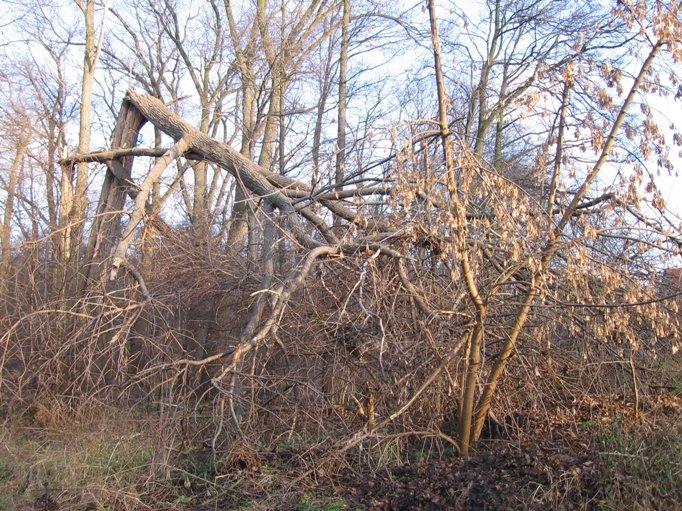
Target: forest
{"x":340,"y":254}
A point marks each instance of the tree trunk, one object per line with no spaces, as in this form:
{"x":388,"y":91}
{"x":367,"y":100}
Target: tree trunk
{"x":553,"y":246}
{"x":458,"y":220}
{"x":6,"y":228}
{"x":484,"y":122}
{"x":343,"y":100}
{"x":106,"y":225}
{"x":77,"y":199}
{"x":239,"y":226}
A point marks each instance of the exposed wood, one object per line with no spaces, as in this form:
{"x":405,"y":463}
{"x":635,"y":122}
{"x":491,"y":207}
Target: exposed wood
{"x":117,"y":185}
{"x":258,"y":180}
{"x":141,"y":200}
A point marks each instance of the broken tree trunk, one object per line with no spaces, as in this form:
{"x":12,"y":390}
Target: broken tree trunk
{"x":106,"y":225}
{"x":268,"y":186}
{"x":292,"y":198}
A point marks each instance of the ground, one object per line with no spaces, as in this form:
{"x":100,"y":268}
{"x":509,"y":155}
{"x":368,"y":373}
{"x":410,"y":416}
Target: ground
{"x":600,"y":454}
{"x":492,"y":480}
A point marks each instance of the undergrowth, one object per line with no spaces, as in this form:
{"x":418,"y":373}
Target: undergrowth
{"x":99,"y":465}
{"x":642,"y":463}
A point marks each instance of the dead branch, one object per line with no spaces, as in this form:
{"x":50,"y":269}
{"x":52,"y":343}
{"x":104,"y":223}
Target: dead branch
{"x":141,"y":200}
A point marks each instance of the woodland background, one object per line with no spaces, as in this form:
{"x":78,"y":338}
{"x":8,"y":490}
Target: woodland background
{"x":282,"y":254}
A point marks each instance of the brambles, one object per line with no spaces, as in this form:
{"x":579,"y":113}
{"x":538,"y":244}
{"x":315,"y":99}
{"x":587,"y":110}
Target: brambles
{"x":294,"y":310}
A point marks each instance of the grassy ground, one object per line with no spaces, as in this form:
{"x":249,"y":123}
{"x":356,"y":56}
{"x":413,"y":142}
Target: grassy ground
{"x":603,"y":457}
{"x":99,"y":465}
{"x":642,"y":459}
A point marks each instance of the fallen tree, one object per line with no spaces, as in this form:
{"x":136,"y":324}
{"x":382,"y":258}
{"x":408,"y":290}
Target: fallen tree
{"x":436,"y":226}
{"x":470,"y":256}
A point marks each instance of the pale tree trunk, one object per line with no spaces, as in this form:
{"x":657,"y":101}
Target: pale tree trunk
{"x":55,"y":139}
{"x":554,"y":183}
{"x":484,"y":122}
{"x":63,"y":255}
{"x":277,"y":92}
{"x":106,"y":225}
{"x":76,"y":200}
{"x":144,"y":191}
{"x":283,"y":63}
{"x":343,"y":100}
{"x":50,"y":108}
{"x":325,"y":86}
{"x":89,"y":63}
{"x":499,"y":126}
{"x":239,"y":226}
{"x":200,"y":206}
{"x":142,"y":327}
{"x":272,"y":137}
{"x":201,"y":70}
{"x":272,"y":122}
{"x":6,"y":228}
{"x":459,"y":221}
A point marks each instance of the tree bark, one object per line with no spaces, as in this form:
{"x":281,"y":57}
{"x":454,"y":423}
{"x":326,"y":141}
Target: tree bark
{"x":458,"y":220}
{"x":143,"y":193}
{"x":77,"y":203}
{"x":343,"y":99}
{"x":106,"y":225}
{"x":239,"y":226}
{"x":253,"y":177}
{"x":553,"y":246}
{"x":6,"y":228}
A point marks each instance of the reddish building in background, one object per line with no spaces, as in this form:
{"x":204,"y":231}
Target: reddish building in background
{"x":673,"y":277}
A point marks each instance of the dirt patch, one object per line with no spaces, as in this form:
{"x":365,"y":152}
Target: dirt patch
{"x":592,"y":456}
{"x":492,"y":480}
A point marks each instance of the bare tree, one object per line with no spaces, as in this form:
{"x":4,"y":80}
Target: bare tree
{"x":19,"y":136}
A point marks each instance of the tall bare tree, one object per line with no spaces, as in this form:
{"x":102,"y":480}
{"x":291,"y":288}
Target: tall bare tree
{"x":20,"y":137}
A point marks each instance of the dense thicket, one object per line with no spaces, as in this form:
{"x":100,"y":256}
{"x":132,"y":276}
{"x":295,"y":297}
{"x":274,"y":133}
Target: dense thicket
{"x":336,"y":220}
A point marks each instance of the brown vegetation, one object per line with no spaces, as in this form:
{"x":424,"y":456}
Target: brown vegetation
{"x":468,"y":324}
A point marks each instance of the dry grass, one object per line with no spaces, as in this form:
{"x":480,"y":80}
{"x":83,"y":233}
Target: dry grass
{"x":642,"y":459}
{"x":99,"y":465}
